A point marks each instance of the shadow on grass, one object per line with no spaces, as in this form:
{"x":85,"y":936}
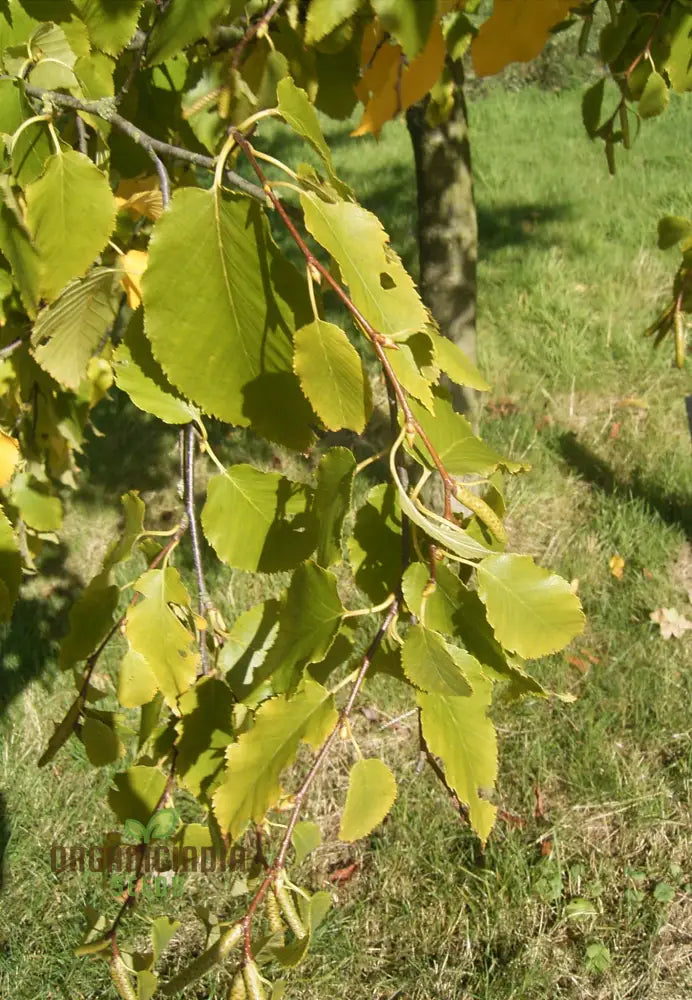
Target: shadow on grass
{"x":514,"y":225}
{"x":673,"y":510}
{"x":29,"y":644}
{"x":126,"y":449}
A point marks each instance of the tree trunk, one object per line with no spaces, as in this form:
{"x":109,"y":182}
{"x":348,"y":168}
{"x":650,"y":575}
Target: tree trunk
{"x":447,"y":226}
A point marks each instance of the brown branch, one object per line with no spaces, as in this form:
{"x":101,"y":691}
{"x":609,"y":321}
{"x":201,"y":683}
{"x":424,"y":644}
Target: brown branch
{"x":189,"y":488}
{"x":252,"y":31}
{"x":105,"y":109}
{"x":646,"y":51}
{"x":379,"y":341}
{"x":299,"y":798}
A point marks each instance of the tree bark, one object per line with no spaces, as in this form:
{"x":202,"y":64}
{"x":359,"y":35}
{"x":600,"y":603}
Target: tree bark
{"x":447,"y":226}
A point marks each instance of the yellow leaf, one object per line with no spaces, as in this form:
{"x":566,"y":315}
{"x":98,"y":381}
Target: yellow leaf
{"x":141,"y":196}
{"x":516,"y":31}
{"x":617,"y":566}
{"x":134,"y":264}
{"x":9,"y":456}
{"x":388,"y":84}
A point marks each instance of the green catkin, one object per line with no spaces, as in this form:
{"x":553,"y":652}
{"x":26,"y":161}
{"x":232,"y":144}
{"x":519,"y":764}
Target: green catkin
{"x":253,"y":983}
{"x":238,"y":991}
{"x":290,"y":914}
{"x":276,"y":924}
{"x":482,"y":511}
{"x":204,"y":962}
{"x":121,"y":979}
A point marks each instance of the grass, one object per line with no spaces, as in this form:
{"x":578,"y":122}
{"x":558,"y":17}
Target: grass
{"x":584,"y":890}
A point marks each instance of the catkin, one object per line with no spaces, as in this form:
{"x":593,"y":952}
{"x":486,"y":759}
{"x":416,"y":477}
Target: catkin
{"x":204,"y":962}
{"x":238,"y":991}
{"x":121,"y":979}
{"x":482,"y":510}
{"x":253,"y":983}
{"x":287,"y":907}
{"x":276,"y":924}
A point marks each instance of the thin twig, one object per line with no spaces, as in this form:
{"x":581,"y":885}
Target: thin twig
{"x":252,"y":31}
{"x":105,"y":109}
{"x":81,"y":134}
{"x":140,"y":52}
{"x":10,"y":348}
{"x":202,"y":594}
{"x":299,"y":798}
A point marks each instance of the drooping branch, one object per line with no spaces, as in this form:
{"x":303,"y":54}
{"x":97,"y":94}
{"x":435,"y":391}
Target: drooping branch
{"x":302,"y":792}
{"x":190,"y":444}
{"x":106,"y":110}
{"x":379,"y":341}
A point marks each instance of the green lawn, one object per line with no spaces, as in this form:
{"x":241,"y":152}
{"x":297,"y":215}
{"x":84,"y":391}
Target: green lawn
{"x":584,"y":889}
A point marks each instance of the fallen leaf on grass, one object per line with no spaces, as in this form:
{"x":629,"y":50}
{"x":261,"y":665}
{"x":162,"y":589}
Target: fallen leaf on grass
{"x":581,"y":665}
{"x":343,"y":875}
{"x":538,"y":803}
{"x":615,"y":429}
{"x":671,"y":623}
{"x":617,"y":566}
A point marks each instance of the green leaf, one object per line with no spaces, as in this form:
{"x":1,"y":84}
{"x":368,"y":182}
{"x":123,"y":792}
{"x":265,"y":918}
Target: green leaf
{"x":451,"y":435}
{"x":672,"y":229}
{"x":220,"y":319}
{"x":332,"y":502}
{"x":95,"y":75}
{"x":300,"y":115}
{"x":591,"y":104}
{"x":256,"y":761}
{"x":67,"y":332}
{"x":408,"y":21}
{"x":147,"y":984}
{"x":22,"y":258}
{"x":163,"y":930}
{"x":137,"y":684}
{"x":428,"y":663}
{"x":181,"y":25}
{"x":654,"y":99}
{"x":206,"y":729}
{"x":326,"y":15}
{"x":91,"y":617}
{"x":53,"y":69}
{"x":531,"y":610}
{"x":459,"y":732}
{"x":70,"y":214}
{"x":10,"y":568}
{"x":452,"y":360}
{"x":678,"y":64}
{"x":62,"y":732}
{"x":137,"y":793}
{"x":110,"y":23}
{"x":32,"y":146}
{"x":371,"y":794}
{"x":374,"y":548}
{"x":121,"y":549}
{"x":332,"y":376}
{"x":597,"y":957}
{"x":38,"y":508}
{"x":139,"y":375}
{"x":664,"y":893}
{"x":308,"y":624}
{"x":258,"y":520}
{"x":414,"y":365}
{"x":252,"y":635}
{"x":452,"y":609}
{"x":157,"y":634}
{"x":306,"y":837}
{"x":379,"y":285}
{"x":100,"y":742}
